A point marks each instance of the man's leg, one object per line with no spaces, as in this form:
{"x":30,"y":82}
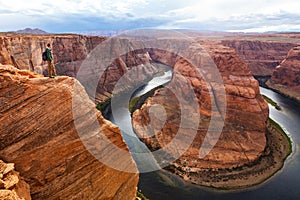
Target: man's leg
{"x":53,"y":70}
{"x":49,"y":68}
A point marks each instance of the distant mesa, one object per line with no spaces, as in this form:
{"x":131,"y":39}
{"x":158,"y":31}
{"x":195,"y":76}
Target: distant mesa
{"x":31,"y":31}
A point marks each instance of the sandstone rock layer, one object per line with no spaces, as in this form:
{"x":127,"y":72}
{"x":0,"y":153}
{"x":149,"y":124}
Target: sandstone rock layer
{"x":286,"y":77}
{"x":242,"y":140}
{"x":12,"y":186}
{"x":261,"y":56}
{"x":38,"y":135}
{"x":24,"y":51}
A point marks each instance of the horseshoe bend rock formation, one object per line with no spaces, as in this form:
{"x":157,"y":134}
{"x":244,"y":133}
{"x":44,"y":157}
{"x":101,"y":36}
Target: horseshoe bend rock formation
{"x":242,"y":140}
{"x":286,"y":77}
{"x":39,"y":136}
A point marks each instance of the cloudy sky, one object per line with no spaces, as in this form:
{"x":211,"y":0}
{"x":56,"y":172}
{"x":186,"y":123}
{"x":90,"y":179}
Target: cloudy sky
{"x":88,"y":15}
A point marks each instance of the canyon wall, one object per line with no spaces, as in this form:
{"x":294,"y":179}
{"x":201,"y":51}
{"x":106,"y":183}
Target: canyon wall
{"x":242,"y":89}
{"x":38,"y":134}
{"x":25,"y":51}
{"x":286,"y":77}
{"x":242,"y":140}
{"x":261,"y":56}
{"x":70,"y":51}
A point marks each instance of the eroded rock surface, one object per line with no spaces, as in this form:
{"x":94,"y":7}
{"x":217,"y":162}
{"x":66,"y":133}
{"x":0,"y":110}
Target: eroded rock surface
{"x":242,"y":140}
{"x":261,"y":56}
{"x":12,"y":186}
{"x":70,"y":51}
{"x":286,"y":77}
{"x":38,"y":134}
{"x":25,"y":51}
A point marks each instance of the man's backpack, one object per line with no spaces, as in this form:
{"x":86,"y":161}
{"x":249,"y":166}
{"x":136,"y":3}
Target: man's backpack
{"x":44,"y":56}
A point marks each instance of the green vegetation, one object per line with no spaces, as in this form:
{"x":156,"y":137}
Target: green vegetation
{"x":273,"y":103}
{"x":103,"y":104}
{"x":285,"y":95}
{"x":141,"y":196}
{"x":271,"y":121}
{"x":276,"y":125}
{"x":132,"y":103}
{"x":136,"y":102}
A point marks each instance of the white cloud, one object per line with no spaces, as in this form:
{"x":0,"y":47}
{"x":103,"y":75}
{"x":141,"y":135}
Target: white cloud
{"x":228,"y":15}
{"x":279,"y":28}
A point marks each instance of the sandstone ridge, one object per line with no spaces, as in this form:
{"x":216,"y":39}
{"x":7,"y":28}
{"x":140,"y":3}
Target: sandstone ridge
{"x":38,"y":135}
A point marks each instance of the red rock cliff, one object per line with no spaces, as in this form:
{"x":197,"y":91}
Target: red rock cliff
{"x":24,"y":51}
{"x":242,"y":140}
{"x":261,"y":56}
{"x":70,"y":50}
{"x":39,"y":136}
{"x":286,"y":77}
{"x":243,"y":137}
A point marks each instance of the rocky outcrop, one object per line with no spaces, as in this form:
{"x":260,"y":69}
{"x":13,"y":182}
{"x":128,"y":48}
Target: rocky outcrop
{"x":242,"y":140}
{"x":261,"y":56}
{"x":38,"y":133}
{"x":12,"y":186}
{"x":286,"y":77}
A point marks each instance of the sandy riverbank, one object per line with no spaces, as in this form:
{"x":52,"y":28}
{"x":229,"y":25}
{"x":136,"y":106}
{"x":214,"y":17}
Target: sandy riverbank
{"x":277,"y":150}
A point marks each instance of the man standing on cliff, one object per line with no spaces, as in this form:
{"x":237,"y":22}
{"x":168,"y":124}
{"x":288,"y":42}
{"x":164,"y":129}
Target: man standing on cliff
{"x":51,"y":67}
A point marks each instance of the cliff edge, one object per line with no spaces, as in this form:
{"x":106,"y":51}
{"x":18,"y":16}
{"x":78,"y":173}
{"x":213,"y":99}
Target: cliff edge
{"x":38,"y":135}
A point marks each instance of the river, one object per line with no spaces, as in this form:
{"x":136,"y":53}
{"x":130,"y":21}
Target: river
{"x":285,"y":184}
